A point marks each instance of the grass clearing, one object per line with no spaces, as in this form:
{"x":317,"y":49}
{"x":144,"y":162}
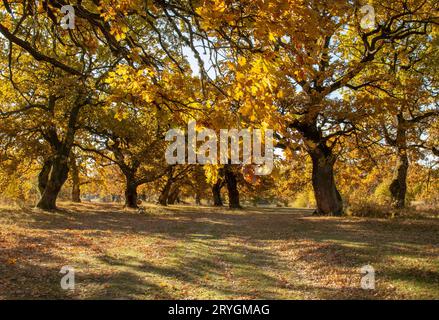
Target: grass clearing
{"x":184,"y":252}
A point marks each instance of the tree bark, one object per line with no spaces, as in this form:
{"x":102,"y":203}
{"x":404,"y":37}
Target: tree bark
{"x":62,"y":147}
{"x":43,"y":176}
{"x":232,"y":188}
{"x":164,"y":195}
{"x":216,"y":192}
{"x":328,"y":199}
{"x":173,"y":196}
{"x":76,"y":183}
{"x":131,"y":194}
{"x":57,"y":177}
{"x":76,"y":193}
{"x":398,"y":187}
{"x":197,"y":199}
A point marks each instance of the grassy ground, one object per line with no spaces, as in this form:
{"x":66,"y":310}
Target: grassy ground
{"x":204,"y":253}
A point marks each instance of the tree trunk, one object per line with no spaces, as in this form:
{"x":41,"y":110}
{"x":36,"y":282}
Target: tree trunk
{"x":164,"y":195}
{"x":43,"y":176}
{"x":173,"y":196}
{"x":232,"y":188}
{"x":76,"y":193}
{"x":60,"y":167}
{"x":57,"y":177}
{"x":216,"y":192}
{"x":76,"y":184}
{"x":197,"y":199}
{"x":131,"y":194}
{"x":329,"y":201}
{"x":398,"y":187}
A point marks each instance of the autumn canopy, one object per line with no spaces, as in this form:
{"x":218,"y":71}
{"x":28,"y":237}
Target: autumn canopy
{"x":349,"y":88}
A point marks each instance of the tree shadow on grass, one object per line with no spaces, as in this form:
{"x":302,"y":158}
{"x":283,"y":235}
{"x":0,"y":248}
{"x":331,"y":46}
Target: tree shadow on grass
{"x":217,"y":247}
{"x":30,"y":269}
{"x":259,"y":224}
{"x":211,"y":271}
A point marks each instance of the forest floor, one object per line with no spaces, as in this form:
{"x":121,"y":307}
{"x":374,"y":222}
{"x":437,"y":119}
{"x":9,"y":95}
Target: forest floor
{"x":184,"y":252}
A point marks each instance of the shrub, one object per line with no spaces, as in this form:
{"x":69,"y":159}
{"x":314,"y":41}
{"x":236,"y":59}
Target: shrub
{"x":370,"y":210}
{"x":375,"y":210}
{"x":305,"y":199}
{"x":382,"y":193}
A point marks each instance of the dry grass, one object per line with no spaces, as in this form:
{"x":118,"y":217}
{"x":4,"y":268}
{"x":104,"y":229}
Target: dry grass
{"x":204,"y":253}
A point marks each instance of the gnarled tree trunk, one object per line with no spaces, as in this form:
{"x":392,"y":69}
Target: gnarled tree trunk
{"x":76,"y":183}
{"x":329,"y":201}
{"x":232,"y":188}
{"x":43,"y":176}
{"x":76,"y":192}
{"x":131,"y":194}
{"x":57,"y":177}
{"x":164,"y":195}
{"x":197,"y":198}
{"x":216,"y":193}
{"x":60,"y":166}
{"x":398,"y":187}
{"x":173,"y":196}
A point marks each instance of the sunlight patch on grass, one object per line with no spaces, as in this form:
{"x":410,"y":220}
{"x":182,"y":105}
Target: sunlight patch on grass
{"x":188,"y":252}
